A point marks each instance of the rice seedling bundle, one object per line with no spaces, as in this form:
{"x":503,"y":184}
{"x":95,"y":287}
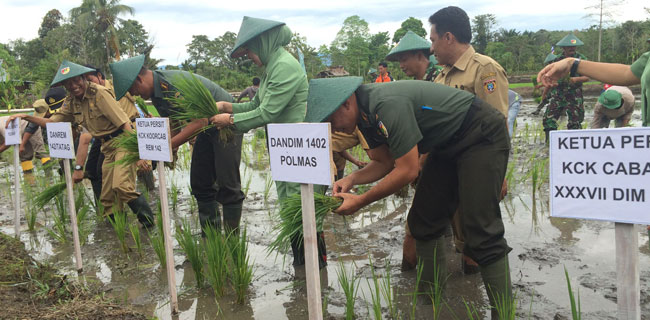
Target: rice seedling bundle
{"x":242,"y":270}
{"x":143,"y":105}
{"x":195,"y":102}
{"x":119,"y":223}
{"x":290,"y":219}
{"x":349,"y":283}
{"x":216,"y":253}
{"x":192,"y":249}
{"x":48,"y":194}
{"x":128,"y":142}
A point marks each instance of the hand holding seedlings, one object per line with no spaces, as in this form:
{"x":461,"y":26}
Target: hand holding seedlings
{"x":351,"y":203}
{"x":221,"y":120}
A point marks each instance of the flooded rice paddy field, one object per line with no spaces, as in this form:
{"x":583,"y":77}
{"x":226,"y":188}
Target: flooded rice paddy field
{"x":542,"y":248}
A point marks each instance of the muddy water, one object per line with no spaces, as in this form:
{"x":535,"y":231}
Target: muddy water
{"x":542,"y":248}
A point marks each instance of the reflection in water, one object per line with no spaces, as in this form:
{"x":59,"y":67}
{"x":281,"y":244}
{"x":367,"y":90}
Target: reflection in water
{"x":566,"y":227}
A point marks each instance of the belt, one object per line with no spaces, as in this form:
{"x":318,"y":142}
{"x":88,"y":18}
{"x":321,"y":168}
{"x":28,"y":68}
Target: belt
{"x":110,"y":136}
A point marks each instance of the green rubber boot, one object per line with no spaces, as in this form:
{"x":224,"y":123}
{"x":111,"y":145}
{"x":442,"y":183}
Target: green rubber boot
{"x":431,"y":256}
{"x":141,"y":208}
{"x":231,"y":218}
{"x":496,"y":278}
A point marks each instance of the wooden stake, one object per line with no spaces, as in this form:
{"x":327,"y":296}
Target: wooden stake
{"x":628,"y":288}
{"x":169,"y":253}
{"x":314,"y":304}
{"x":73,"y":214}
{"x":17,"y":193}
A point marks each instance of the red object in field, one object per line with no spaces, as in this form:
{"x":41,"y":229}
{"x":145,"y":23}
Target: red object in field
{"x":606,"y":86}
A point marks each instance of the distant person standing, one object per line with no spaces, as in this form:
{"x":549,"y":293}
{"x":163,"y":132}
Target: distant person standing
{"x":251,"y":91}
{"x":616,"y":103}
{"x":514,"y":104}
{"x":384,"y":75}
{"x":566,"y":98}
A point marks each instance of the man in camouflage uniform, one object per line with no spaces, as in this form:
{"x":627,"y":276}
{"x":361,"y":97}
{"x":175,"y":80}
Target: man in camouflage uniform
{"x":567,"y":96}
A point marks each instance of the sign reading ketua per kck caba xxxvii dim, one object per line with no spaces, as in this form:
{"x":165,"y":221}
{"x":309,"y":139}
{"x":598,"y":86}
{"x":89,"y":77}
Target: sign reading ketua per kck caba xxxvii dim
{"x":601,"y":174}
{"x":300,"y":152}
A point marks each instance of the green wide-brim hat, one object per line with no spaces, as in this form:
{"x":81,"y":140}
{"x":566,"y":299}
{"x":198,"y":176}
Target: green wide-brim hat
{"x":550,"y":57}
{"x":68,"y":70}
{"x":249,"y":29}
{"x":409,"y":42}
{"x":326,"y":95}
{"x":569,"y":41}
{"x":610,"y":99}
{"x":124,"y":73}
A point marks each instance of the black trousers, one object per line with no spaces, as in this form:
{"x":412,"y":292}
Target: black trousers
{"x":466,"y":173}
{"x":214,"y":173}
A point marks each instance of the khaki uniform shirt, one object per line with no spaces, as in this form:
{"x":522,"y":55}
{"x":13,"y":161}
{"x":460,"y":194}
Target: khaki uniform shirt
{"x":622,"y":115}
{"x":480,"y":75}
{"x":96,"y":111}
{"x":127,"y":103}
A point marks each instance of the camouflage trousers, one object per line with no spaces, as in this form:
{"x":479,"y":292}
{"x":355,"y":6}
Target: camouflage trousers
{"x":569,"y":102}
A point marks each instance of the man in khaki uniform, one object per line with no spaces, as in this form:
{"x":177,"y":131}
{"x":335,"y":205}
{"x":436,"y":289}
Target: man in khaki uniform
{"x":467,"y":70}
{"x":341,"y":142}
{"x":94,"y":107}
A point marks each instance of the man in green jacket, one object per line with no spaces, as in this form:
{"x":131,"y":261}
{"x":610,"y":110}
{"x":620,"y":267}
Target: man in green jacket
{"x":214,"y":173}
{"x":281,"y":98}
{"x":468,"y":144}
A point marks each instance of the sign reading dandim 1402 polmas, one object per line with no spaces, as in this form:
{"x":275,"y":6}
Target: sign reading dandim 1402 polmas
{"x":59,"y":140}
{"x":300,"y":152}
{"x":601,"y":174}
{"x":154,"y":142}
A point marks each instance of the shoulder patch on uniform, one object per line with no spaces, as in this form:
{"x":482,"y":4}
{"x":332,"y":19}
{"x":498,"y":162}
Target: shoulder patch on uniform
{"x":488,"y":75}
{"x":490,"y":85}
{"x":164,"y":86}
{"x":381,"y":128}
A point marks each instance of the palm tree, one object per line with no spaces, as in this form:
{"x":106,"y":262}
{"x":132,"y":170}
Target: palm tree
{"x":103,"y":15}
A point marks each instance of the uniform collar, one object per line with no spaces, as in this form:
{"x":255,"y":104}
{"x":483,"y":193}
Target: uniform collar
{"x":159,"y":84}
{"x":463,"y":61}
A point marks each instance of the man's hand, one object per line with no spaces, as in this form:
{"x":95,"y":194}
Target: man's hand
{"x":224,"y":107}
{"x":21,"y":149}
{"x":360,"y":164}
{"x":77,"y":176}
{"x":144,"y":165}
{"x":554,"y":72}
{"x":13,"y":117}
{"x":504,"y":189}
{"x":221,"y":120}
{"x":343,"y":185}
{"x":351,"y":204}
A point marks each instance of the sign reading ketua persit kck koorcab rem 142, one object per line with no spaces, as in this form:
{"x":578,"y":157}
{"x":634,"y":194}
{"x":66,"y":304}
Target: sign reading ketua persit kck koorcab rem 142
{"x":601,"y":174}
{"x":300,"y":152}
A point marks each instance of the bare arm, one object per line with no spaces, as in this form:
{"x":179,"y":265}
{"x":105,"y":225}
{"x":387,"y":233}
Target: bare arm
{"x":82,"y":149}
{"x":37,"y":120}
{"x":3,"y":147}
{"x":613,"y":73}
{"x":187,"y":132}
{"x":347,"y":156}
{"x":380,"y":165}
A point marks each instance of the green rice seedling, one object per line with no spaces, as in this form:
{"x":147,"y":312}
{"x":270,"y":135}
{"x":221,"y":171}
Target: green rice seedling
{"x":119,"y":223}
{"x":143,"y":106}
{"x":472,"y":312}
{"x":216,"y":254}
{"x":82,"y":225}
{"x":506,"y":306}
{"x":31,"y":213}
{"x":135,"y":235}
{"x":192,"y":249}
{"x":127,"y":141}
{"x":290,"y":219}
{"x":59,"y":230}
{"x":158,"y":243}
{"x":174,"y":193}
{"x":349,"y":283}
{"x":414,"y":295}
{"x":388,"y":292}
{"x":241,"y":272}
{"x":193,"y":205}
{"x":375,"y":292}
{"x":247,"y":185}
{"x":48,"y":194}
{"x":268,"y":184}
{"x":576,"y":312}
{"x":195,"y":102}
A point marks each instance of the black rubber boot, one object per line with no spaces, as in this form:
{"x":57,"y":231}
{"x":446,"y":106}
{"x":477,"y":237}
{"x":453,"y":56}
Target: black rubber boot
{"x":209,"y":215}
{"x":141,"y":208}
{"x":298,"y":250}
{"x":546,"y":133}
{"x":496,"y":278}
{"x":231,"y":218}
{"x":431,"y":257}
{"x":97,"y":188}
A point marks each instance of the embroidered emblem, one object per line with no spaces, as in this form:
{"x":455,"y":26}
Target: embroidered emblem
{"x":51,"y":100}
{"x":573,"y":41}
{"x":164,"y":86}
{"x":490,"y":85}
{"x":65,"y":70}
{"x":382,"y":129}
{"x":177,"y":94}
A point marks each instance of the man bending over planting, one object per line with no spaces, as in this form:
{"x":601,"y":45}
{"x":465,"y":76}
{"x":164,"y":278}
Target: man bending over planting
{"x":468,"y":144}
{"x":214,"y":173}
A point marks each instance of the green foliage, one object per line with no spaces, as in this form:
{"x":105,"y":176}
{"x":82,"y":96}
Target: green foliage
{"x":410,"y":24}
{"x":119,"y":223}
{"x":192,"y":249}
{"x":576,"y":312}
{"x":48,"y":194}
{"x":241,"y":270}
{"x":216,"y":254}
{"x":127,"y":141}
{"x":349,"y":283}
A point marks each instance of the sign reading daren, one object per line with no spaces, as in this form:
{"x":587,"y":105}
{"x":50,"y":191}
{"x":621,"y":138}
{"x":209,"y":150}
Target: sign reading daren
{"x":601,"y":174}
{"x":300,"y":152}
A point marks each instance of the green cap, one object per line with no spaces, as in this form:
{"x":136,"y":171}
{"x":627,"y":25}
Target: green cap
{"x":409,"y":42}
{"x":327,"y":94}
{"x":68,"y":70}
{"x":569,"y":41}
{"x":372,"y":70}
{"x":550,"y":57}
{"x":249,"y":29}
{"x":124,"y":73}
{"x":610,"y":99}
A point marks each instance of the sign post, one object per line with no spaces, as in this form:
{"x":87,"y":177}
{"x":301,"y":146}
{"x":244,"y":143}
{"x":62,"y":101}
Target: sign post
{"x":603,"y":175}
{"x":154,"y":143}
{"x":12,"y":137}
{"x":300,"y":152}
{"x":59,"y":140}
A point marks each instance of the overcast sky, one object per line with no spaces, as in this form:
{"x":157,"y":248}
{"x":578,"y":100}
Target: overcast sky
{"x":171,"y":24}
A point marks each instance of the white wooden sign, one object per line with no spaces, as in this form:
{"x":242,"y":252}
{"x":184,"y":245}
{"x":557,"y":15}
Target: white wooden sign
{"x":154,"y":142}
{"x":300,"y":152}
{"x":59,"y":139}
{"x":601,"y":174}
{"x":12,"y":133}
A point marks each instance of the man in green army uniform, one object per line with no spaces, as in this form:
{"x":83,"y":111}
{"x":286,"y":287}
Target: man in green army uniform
{"x":538,"y":84}
{"x":566,"y":98}
{"x":214,"y":173}
{"x":465,"y":69}
{"x":415,"y":58}
{"x":95,"y":108}
{"x":403,"y":119}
